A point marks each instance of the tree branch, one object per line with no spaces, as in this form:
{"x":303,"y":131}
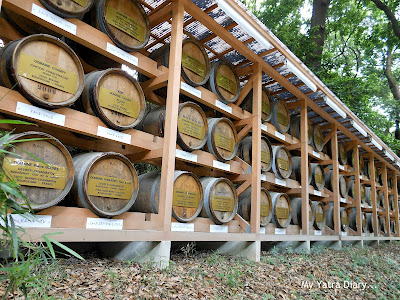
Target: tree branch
{"x":390,"y":15}
{"x":393,"y":84}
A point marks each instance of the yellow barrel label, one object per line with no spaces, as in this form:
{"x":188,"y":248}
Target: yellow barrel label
{"x":227,"y":84}
{"x":116,"y":101}
{"x":224,"y":142}
{"x":318,"y":137}
{"x":282,"y":118}
{"x":191,"y":63}
{"x":342,"y":152}
{"x":344,"y":220}
{"x":109,"y":187}
{"x":283,"y":164}
{"x":125,"y":23}
{"x":186,"y":199}
{"x":221,"y":203}
{"x":264,"y":209}
{"x":319,"y":217}
{"x":265,"y":157}
{"x":33,"y":173}
{"x":265,"y":106}
{"x":81,"y":2}
{"x":190,"y":126}
{"x":282,"y":212}
{"x":41,"y":71}
{"x":318,"y":178}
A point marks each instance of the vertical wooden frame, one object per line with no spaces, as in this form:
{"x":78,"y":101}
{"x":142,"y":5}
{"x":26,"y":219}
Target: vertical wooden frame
{"x":357,"y":181}
{"x":373,"y":195}
{"x":386,"y":191}
{"x":335,"y":175}
{"x":171,"y":117}
{"x":396,"y":204}
{"x":305,"y":218}
{"x":256,"y":150}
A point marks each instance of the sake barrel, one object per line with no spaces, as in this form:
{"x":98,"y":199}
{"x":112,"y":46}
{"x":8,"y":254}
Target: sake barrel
{"x":68,"y":8}
{"x":296,"y":204}
{"x":353,"y":221}
{"x":195,"y":64}
{"x":295,"y":128}
{"x":224,"y":81}
{"x":342,"y":183}
{"x":44,"y":69}
{"x":192,"y":125}
{"x":351,"y":188}
{"x":382,"y":224}
{"x":222,"y":139}
{"x":296,"y":169}
{"x":44,"y":181}
{"x":281,"y":209}
{"x":393,"y":228}
{"x":187,"y":199}
{"x":342,"y":154}
{"x":317,"y":138}
{"x":361,"y":165}
{"x":363,"y":195}
{"x":244,"y":207}
{"x":319,"y":220}
{"x":381,"y":200}
{"x":247,"y":104}
{"x":344,"y":219}
{"x":245,"y":152}
{"x":391,"y":202}
{"x":390,"y":182}
{"x":124,"y":21}
{"x":368,"y":195}
{"x":350,"y":158}
{"x":280,"y":116}
{"x":367,"y":168}
{"x":220,"y":199}
{"x":370,"y":224}
{"x":281,"y":162}
{"x":105,"y":182}
{"x":115,"y":97}
{"x":317,"y":176}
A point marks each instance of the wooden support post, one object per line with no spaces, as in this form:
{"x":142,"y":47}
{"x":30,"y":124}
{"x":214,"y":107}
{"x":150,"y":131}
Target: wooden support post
{"x":256,"y":151}
{"x":396,"y":204}
{"x":386,"y":192}
{"x":304,"y":166}
{"x":335,"y":175}
{"x":357,"y":181}
{"x":171,"y":117}
{"x":373,"y":195}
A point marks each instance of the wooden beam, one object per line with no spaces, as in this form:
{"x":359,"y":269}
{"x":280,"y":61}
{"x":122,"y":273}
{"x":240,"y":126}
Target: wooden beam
{"x":245,"y":130}
{"x":357,"y":182}
{"x":396,"y":204}
{"x":245,"y":91}
{"x":335,"y":175}
{"x":305,"y":218}
{"x":386,"y":192}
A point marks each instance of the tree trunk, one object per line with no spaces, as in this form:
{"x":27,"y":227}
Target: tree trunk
{"x":390,"y":15}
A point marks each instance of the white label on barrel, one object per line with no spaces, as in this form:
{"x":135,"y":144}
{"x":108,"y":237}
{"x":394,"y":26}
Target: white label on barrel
{"x":280,"y":230}
{"x":29,"y":221}
{"x":363,"y":234}
{"x":316,"y":154}
{"x":262,"y":230}
{"x":100,"y":223}
{"x":221,"y":165}
{"x":343,"y":233}
{"x":360,"y":177}
{"x":343,"y":200}
{"x":223,"y":106}
{"x":53,"y":19}
{"x":190,"y":89}
{"x":264,"y":127}
{"x":219,"y":228}
{"x":114,"y":135}
{"x":122,"y":54}
{"x":263,"y":177}
{"x":317,"y":232}
{"x":175,"y":226}
{"x":185,"y":155}
{"x":40,"y":114}
{"x":280,"y":135}
{"x":280,"y":182}
{"x":317,"y":193}
{"x":341,"y":167}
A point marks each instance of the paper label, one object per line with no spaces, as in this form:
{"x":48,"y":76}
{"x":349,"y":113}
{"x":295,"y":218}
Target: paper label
{"x":282,"y":212}
{"x":190,"y":89}
{"x":317,"y":193}
{"x":37,"y":174}
{"x":265,"y":157}
{"x":282,"y":119}
{"x":191,"y":127}
{"x":341,"y":167}
{"x":122,"y":54}
{"x":344,"y":220}
{"x":262,"y":230}
{"x":221,"y":203}
{"x":37,"y":221}
{"x":191,"y":63}
{"x":280,"y":181}
{"x":109,"y":187}
{"x":343,"y":200}
{"x":223,"y":106}
{"x":125,"y":23}
{"x":283,"y":164}
{"x":280,"y":230}
{"x":226,"y":84}
{"x":118,"y":102}
{"x":264,"y":127}
{"x":44,"y":72}
{"x":316,"y":154}
{"x":107,"y":224}
{"x":225,"y":142}
{"x":264,"y":210}
{"x":221,"y":165}
{"x":363,"y":234}
{"x":343,"y":233}
{"x":175,"y":226}
{"x":318,"y":136}
{"x":265,"y":105}
{"x":319,"y":217}
{"x":40,"y":114}
{"x":44,"y":14}
{"x":219,"y":228}
{"x":186,"y":199}
{"x":280,"y":135}
{"x":185,"y":155}
{"x":114,"y":135}
{"x":263,"y":177}
{"x":81,"y":2}
{"x":317,"y":232}
{"x":318,"y":178}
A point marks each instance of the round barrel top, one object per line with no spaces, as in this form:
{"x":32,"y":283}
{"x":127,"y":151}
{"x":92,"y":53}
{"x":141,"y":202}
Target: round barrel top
{"x":344,"y":217}
{"x":342,"y":185}
{"x":265,"y":207}
{"x":342,"y":153}
{"x":225,"y":138}
{"x":265,"y":105}
{"x":282,"y":114}
{"x":362,"y":193}
{"x":319,"y":177}
{"x":227,"y":82}
{"x":265,"y":154}
{"x":282,"y":208}
{"x":192,"y":125}
{"x":223,"y":200}
{"x":283,"y":161}
{"x":127,"y":23}
{"x":48,"y":70}
{"x":68,"y":7}
{"x":318,"y":137}
{"x":319,"y":213}
{"x":195,"y":61}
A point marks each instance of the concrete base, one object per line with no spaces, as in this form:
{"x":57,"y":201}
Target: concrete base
{"x":337,"y":245}
{"x":155,"y":253}
{"x":248,"y":250}
{"x":295,"y":247}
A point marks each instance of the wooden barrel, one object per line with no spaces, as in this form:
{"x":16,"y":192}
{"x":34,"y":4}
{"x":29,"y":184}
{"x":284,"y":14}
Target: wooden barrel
{"x":222,"y":139}
{"x":342,"y":183}
{"x":245,"y":152}
{"x":351,"y":188}
{"x":296,"y":212}
{"x":342,"y":154}
{"x":350,"y":158}
{"x":353,"y":221}
{"x":317,"y":176}
{"x":381,"y":200}
{"x":367,"y":168}
{"x":393,"y":229}
{"x":220,"y":199}
{"x":280,"y":116}
{"x":192,"y":125}
{"x":43,"y":184}
{"x":281,"y":209}
{"x":382,"y":224}
{"x":244,"y":208}
{"x":317,"y":138}
{"x":296,"y":169}
{"x":115,"y":97}
{"x":390,"y":181}
{"x":344,"y":219}
{"x":224,"y":81}
{"x":295,"y":126}
{"x":187,"y":198}
{"x":319,"y":219}
{"x":44,"y":69}
{"x":105,"y":182}
{"x":391,"y":202}
{"x":266,"y":99}
{"x":368,"y":195}
{"x":124,"y":21}
{"x":68,"y":8}
{"x":361,"y":165}
{"x":363,"y":194}
{"x":281,"y":162}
